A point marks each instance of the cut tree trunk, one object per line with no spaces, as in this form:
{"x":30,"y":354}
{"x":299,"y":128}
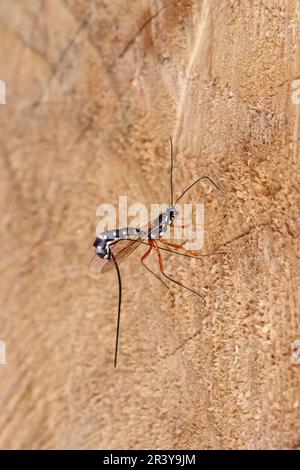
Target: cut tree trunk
{"x":94,"y":91}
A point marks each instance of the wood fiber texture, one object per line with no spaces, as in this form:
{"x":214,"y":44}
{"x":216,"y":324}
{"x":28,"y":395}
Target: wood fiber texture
{"x":94,"y":91}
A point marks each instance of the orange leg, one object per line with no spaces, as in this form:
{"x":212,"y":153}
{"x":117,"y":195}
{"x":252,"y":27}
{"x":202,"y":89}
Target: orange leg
{"x":161,"y":265}
{"x":160,"y":260}
{"x":179,"y":247}
{"x":192,"y":254}
{"x":145,"y":255}
{"x":173,"y":245}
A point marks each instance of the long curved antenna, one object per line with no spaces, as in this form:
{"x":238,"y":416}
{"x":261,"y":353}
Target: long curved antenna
{"x":171,"y":172}
{"x":119,"y":309}
{"x":193,"y":184}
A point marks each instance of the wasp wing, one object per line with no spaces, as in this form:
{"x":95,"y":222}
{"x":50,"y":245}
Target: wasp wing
{"x":97,"y":263}
{"x":120,"y":249}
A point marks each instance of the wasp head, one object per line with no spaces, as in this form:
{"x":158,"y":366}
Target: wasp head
{"x":101,"y":247}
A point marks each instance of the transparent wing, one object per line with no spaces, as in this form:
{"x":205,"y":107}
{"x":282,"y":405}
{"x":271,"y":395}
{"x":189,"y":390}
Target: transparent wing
{"x":97,"y":263}
{"x":121,"y":249}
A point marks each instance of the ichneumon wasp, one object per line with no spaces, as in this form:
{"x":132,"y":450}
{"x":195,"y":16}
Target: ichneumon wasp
{"x":113,"y":246}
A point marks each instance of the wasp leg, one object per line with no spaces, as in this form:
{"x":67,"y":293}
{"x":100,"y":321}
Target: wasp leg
{"x":189,"y":253}
{"x":145,"y":255}
{"x":178,"y":247}
{"x":161,"y":265}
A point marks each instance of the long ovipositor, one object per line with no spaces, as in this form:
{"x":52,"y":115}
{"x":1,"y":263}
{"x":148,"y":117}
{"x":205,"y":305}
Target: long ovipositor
{"x":111,"y":249}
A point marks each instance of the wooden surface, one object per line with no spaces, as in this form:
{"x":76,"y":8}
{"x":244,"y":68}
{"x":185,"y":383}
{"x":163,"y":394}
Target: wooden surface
{"x":94,"y":90}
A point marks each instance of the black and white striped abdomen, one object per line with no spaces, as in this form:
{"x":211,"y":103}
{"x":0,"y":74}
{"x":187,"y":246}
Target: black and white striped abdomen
{"x":104,"y":239}
{"x":119,"y":233}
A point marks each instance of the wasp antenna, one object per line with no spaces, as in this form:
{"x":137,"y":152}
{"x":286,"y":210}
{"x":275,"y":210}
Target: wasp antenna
{"x":193,"y":184}
{"x":119,"y":309}
{"x":171,"y":172}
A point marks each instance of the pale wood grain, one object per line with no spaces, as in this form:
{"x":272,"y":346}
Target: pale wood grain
{"x":94,"y":90}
